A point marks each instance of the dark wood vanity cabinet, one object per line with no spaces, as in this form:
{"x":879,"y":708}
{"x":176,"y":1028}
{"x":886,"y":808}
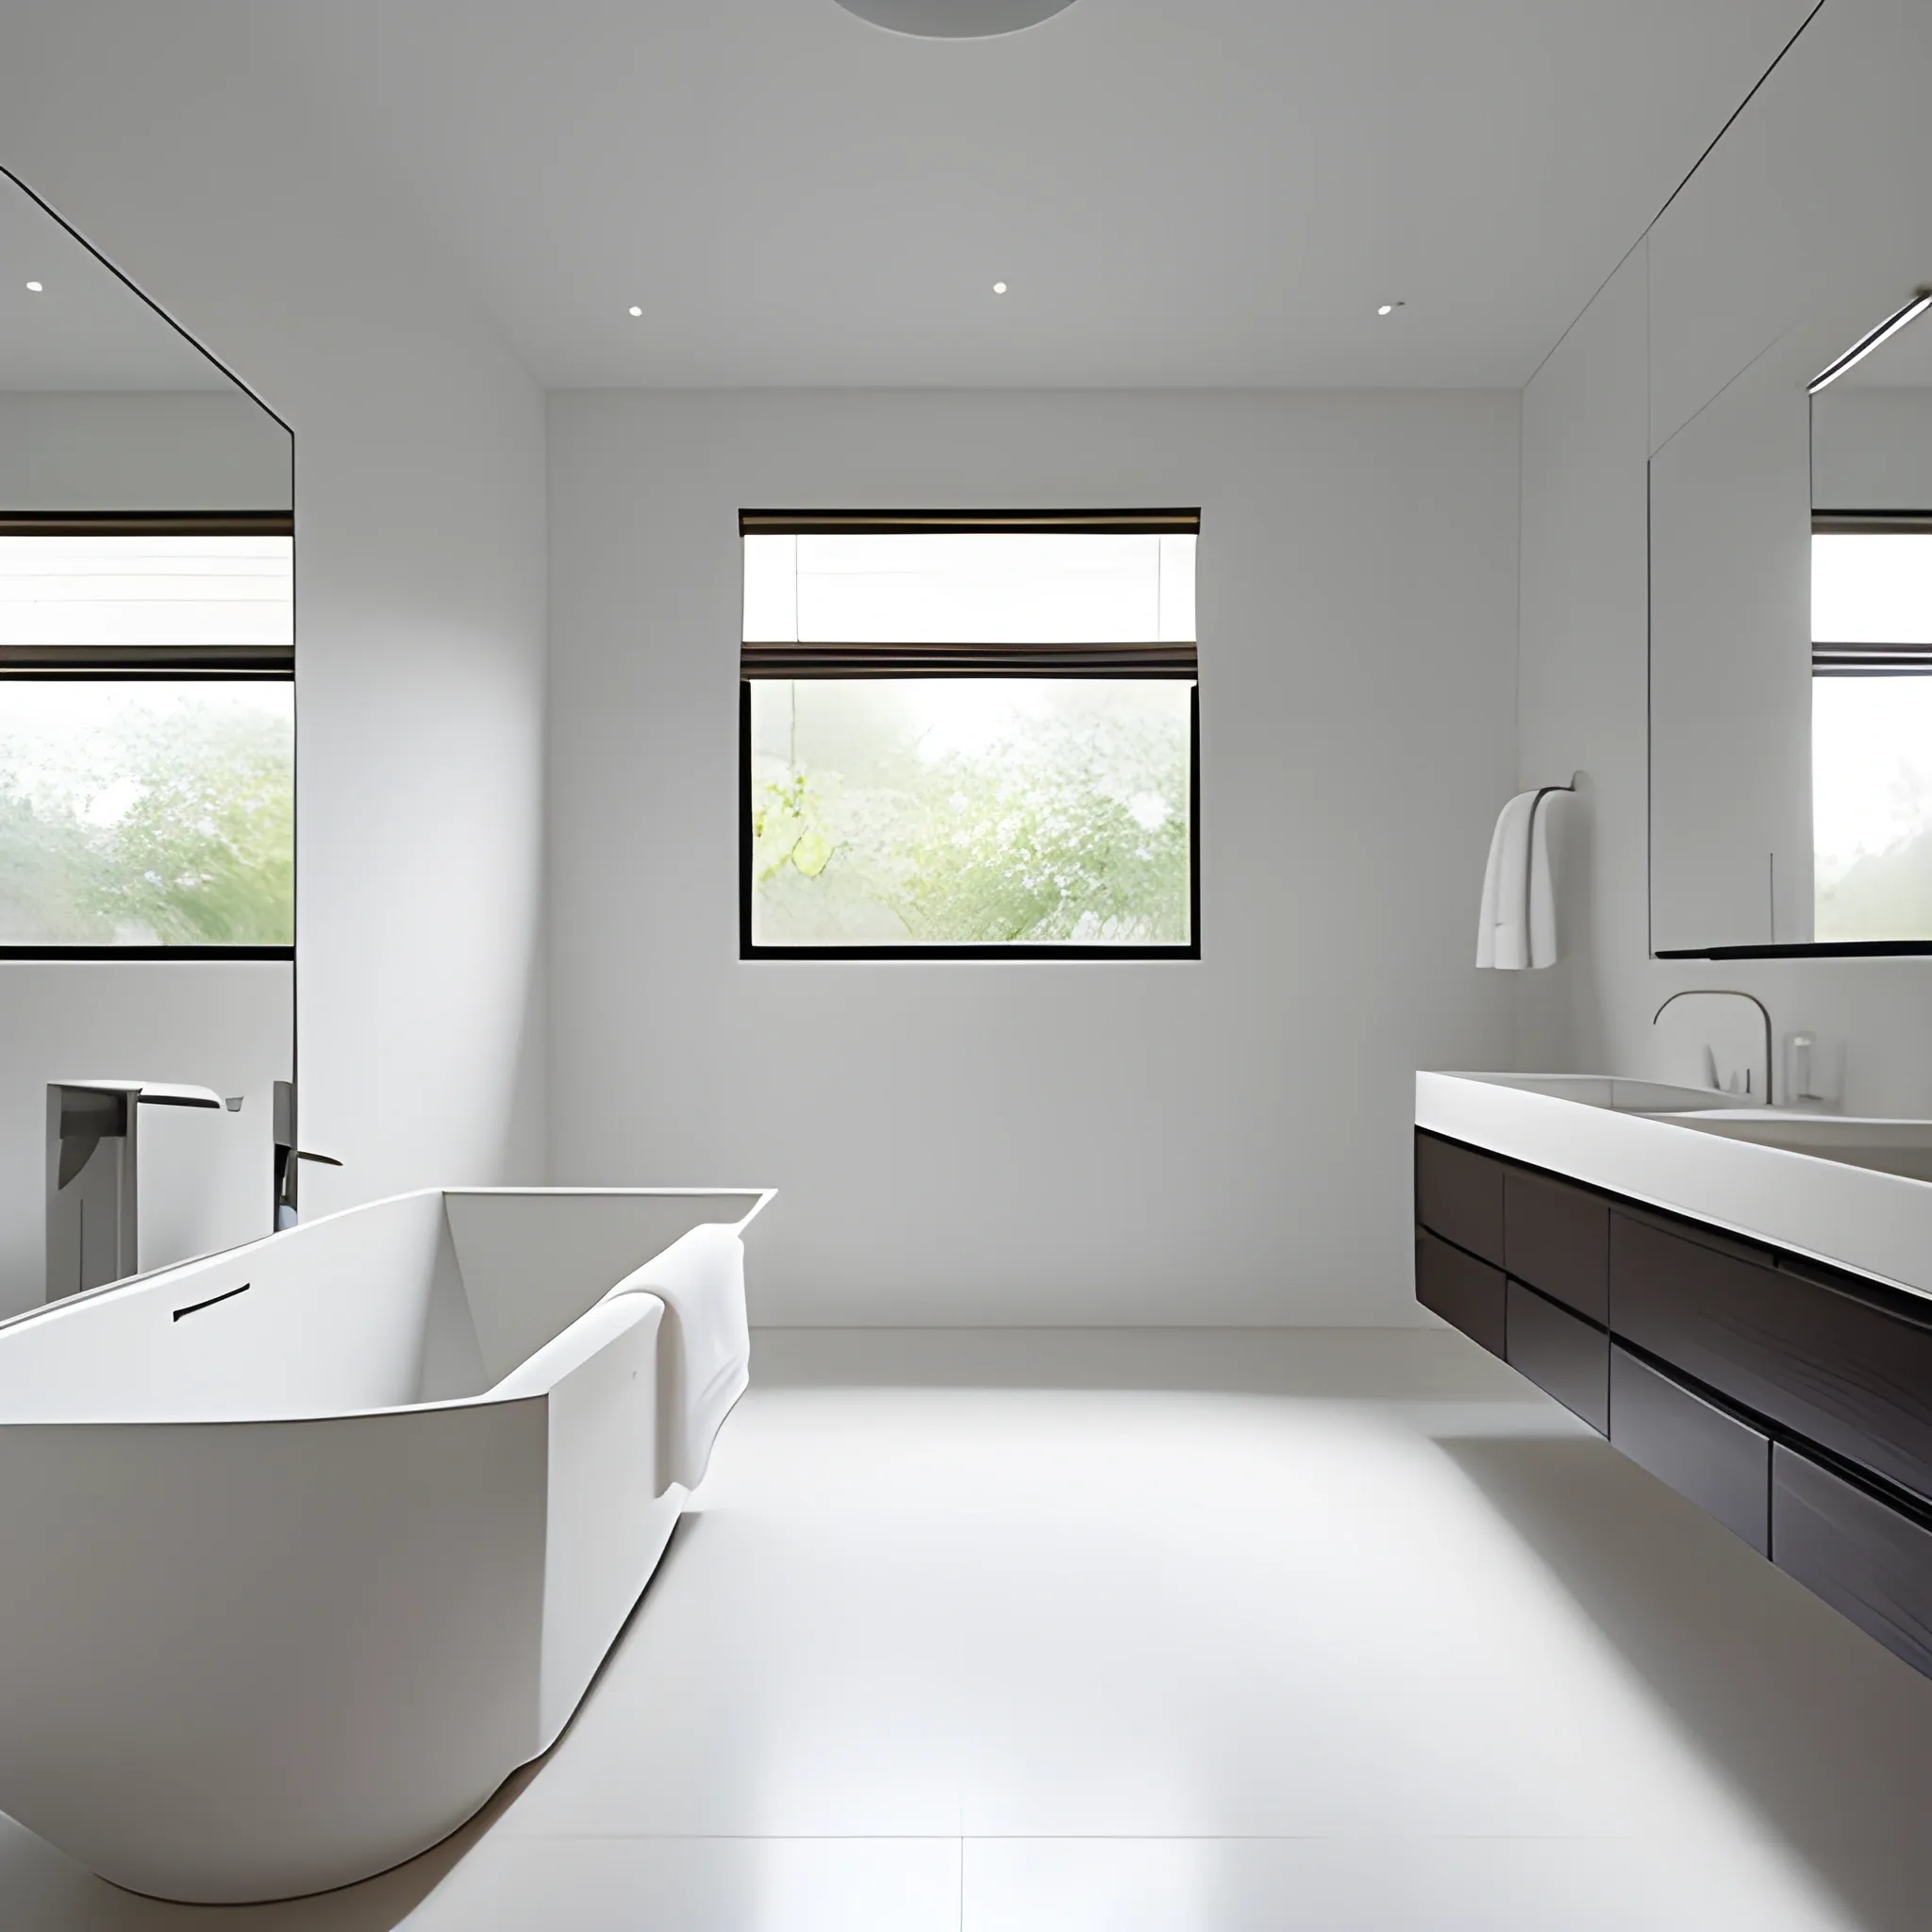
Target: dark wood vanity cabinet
{"x":1865,"y":1557}
{"x":1563,"y":1354}
{"x":1847,"y":1366}
{"x":1707,"y":1454}
{"x":1458,"y":1195}
{"x":1557,"y":1237}
{"x":1466,"y":1292}
{"x":1791,"y":1402}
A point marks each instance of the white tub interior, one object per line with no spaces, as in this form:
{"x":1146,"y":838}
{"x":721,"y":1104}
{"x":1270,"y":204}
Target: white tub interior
{"x":432,"y":1297}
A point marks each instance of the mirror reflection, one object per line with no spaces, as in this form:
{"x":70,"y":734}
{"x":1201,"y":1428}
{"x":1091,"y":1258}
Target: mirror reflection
{"x":1871,"y":634}
{"x":147,"y":779}
{"x":1792,"y":650}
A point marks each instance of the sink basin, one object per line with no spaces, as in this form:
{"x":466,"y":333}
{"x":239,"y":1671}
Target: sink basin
{"x":1900,"y":1147}
{"x":1609,"y":1090}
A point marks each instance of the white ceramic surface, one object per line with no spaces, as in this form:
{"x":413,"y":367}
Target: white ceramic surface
{"x":1293,"y":1630}
{"x":1841,"y":1191}
{"x":309,"y":1545}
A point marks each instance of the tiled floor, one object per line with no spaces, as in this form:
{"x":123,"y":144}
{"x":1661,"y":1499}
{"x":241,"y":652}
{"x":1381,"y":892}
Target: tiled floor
{"x":1193,"y":1633}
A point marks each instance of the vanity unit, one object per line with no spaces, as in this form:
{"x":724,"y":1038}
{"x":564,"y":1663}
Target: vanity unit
{"x":1741,"y":1303}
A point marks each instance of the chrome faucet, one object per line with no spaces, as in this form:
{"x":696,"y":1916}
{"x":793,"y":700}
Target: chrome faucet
{"x":1725,"y":992}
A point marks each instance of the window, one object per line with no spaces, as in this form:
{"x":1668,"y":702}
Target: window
{"x":1871,"y":727}
{"x":146,"y":736}
{"x":967,"y":735}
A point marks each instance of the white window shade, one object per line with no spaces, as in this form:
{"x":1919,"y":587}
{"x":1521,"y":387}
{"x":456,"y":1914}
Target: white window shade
{"x":966,"y":588}
{"x":115,"y":593}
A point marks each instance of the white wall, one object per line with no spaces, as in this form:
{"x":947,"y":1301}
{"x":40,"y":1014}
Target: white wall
{"x":117,"y":450}
{"x":419,"y":557}
{"x":1759,"y":247}
{"x":1061,"y":1142}
{"x":1872,"y":447}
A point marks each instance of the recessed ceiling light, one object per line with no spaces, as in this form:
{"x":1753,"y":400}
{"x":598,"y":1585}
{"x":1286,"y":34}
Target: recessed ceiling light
{"x":999,"y":288}
{"x":35,"y":287}
{"x":956,"y":20}
{"x":1389,"y":308}
{"x":634,"y":309}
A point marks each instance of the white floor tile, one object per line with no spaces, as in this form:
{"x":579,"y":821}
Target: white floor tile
{"x":1473,"y":1885}
{"x":1224,"y":1632}
{"x":700,"y":1885}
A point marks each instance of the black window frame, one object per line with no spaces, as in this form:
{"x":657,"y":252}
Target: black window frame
{"x":835,"y":663}
{"x":148,"y":664}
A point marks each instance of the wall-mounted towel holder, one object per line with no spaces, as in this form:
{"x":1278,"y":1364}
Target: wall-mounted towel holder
{"x":1518,"y":924}
{"x":1542,"y":791}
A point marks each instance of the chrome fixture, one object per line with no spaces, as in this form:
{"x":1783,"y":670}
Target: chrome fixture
{"x":1725,"y":993}
{"x":288,"y":1195}
{"x":93,"y":1196}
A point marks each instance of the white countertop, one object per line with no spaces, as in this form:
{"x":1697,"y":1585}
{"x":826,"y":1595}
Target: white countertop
{"x":1824,"y":1204}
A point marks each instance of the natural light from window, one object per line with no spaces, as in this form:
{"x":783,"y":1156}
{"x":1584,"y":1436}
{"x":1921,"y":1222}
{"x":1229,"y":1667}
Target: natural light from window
{"x":146,"y":779}
{"x":998,"y":769}
{"x":1872,"y":738}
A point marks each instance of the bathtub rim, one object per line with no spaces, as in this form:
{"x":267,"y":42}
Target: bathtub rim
{"x":488,"y":1398}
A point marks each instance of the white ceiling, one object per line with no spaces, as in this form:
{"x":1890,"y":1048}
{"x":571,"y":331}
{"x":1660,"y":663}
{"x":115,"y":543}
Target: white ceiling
{"x":1178,"y":192}
{"x":86,"y":329}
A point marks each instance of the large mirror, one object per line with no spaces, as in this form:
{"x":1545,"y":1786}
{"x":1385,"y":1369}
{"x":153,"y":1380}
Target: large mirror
{"x":1871,"y":635}
{"x":1730,"y":674}
{"x":1790,"y":513}
{"x":1791,"y":651}
{"x":147,"y":780}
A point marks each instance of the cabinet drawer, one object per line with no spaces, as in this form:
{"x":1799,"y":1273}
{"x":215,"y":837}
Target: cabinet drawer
{"x":1466,"y":1292}
{"x":1459,"y":1192}
{"x":1565,"y":1357}
{"x":1557,"y":1237}
{"x":1703,"y":1452}
{"x":1866,"y":1559}
{"x":1825,"y":1362}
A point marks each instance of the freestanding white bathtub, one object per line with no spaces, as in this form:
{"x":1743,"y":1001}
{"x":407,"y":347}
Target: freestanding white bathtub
{"x":305,"y":1547}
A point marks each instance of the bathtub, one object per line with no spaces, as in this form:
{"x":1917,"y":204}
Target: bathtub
{"x":305,"y":1547}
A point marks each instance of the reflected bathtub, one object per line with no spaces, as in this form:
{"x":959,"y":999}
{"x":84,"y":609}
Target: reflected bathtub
{"x":305,"y":1547}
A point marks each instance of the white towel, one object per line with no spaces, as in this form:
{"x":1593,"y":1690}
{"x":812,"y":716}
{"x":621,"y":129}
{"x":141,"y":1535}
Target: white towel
{"x":1518,"y":924}
{"x":704,"y":1347}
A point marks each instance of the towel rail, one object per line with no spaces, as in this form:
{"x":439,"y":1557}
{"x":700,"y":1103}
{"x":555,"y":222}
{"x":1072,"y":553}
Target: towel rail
{"x":1542,"y":791}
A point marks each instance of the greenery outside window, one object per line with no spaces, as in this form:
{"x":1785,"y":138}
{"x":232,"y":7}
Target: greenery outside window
{"x":969,"y":735}
{"x":146,"y":736}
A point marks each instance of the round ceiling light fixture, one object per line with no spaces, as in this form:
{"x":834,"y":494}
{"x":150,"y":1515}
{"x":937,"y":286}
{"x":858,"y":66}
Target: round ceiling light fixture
{"x":956,"y":20}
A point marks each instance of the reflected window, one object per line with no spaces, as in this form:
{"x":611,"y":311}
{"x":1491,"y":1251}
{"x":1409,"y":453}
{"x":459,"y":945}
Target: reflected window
{"x":1871,"y":727}
{"x":146,"y":735}
{"x":968,"y":735}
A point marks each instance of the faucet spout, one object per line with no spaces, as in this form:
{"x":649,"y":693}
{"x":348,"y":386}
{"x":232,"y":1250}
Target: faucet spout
{"x":1725,"y":993}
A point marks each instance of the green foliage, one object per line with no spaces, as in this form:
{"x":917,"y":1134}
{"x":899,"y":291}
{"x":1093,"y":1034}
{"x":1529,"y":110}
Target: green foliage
{"x":1040,"y":840}
{"x":789,"y":828}
{"x":1074,"y":828}
{"x":169,"y":825}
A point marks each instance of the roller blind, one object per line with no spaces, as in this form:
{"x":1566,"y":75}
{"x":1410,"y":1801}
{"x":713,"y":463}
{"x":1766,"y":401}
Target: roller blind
{"x":1081,"y":594}
{"x":81,"y":596}
{"x":1871,"y":595}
